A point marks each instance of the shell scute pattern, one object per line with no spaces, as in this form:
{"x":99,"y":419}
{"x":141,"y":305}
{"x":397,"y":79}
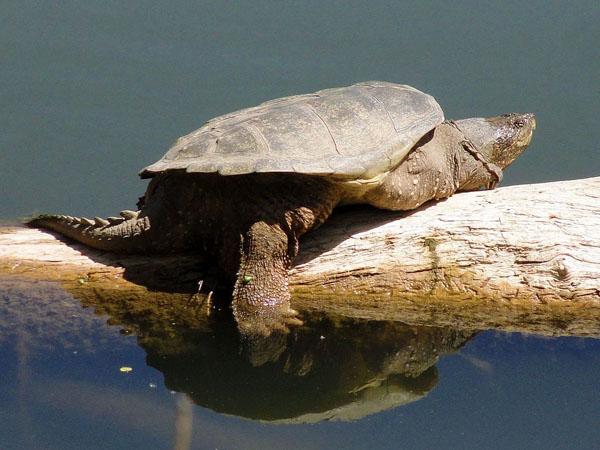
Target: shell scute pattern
{"x":348,"y":133}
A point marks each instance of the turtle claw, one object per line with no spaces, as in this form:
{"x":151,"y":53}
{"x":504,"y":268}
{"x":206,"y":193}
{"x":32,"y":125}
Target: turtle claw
{"x":264,"y":334}
{"x":290,"y":317}
{"x":288,"y":320}
{"x":265,"y":321}
{"x":289,"y":312}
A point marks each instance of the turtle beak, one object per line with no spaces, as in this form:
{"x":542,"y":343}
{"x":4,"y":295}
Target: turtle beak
{"x":531,"y":117}
{"x":526,"y":132}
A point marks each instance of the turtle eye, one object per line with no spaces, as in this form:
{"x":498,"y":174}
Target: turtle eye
{"x":519,"y":123}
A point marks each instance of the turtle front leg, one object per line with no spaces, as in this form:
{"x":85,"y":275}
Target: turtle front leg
{"x":261,"y":299}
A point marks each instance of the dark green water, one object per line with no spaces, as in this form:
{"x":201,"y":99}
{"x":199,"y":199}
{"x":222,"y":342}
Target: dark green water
{"x":90,"y":92}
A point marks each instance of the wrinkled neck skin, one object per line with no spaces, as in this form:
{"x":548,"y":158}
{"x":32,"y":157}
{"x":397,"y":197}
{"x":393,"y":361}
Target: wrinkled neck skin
{"x":456,"y":156}
{"x":499,"y":140}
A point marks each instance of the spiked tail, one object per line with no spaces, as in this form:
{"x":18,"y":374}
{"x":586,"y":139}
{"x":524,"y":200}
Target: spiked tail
{"x":126,"y":234}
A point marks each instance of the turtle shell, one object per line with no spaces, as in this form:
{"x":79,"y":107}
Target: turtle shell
{"x":347,"y":133}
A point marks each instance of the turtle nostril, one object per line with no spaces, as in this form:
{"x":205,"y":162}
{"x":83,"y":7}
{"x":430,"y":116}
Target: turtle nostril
{"x":531,"y":119}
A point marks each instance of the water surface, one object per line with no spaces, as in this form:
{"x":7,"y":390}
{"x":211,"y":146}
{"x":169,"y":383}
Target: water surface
{"x":336,"y":382}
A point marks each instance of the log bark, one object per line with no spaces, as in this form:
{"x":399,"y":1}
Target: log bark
{"x":523,"y":258}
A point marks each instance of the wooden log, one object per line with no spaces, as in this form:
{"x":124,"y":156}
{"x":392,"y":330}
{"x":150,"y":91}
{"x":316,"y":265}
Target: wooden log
{"x":523,"y":258}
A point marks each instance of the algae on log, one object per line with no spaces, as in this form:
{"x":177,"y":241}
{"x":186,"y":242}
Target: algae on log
{"x":523,"y":258}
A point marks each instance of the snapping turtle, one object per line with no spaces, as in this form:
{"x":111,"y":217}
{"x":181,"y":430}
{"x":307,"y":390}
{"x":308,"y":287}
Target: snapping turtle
{"x":245,"y":186}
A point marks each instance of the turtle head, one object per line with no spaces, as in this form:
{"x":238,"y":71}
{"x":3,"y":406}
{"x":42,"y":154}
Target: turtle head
{"x":502,"y":138}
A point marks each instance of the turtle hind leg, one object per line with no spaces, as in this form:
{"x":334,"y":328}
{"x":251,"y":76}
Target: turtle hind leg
{"x":261,"y":299}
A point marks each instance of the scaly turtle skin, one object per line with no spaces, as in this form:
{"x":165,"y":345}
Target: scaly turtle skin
{"x":246,"y":186}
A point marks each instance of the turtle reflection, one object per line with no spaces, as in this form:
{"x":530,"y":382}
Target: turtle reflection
{"x":332,"y":368}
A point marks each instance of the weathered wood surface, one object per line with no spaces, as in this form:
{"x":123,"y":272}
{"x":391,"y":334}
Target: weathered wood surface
{"x":518,"y":257}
